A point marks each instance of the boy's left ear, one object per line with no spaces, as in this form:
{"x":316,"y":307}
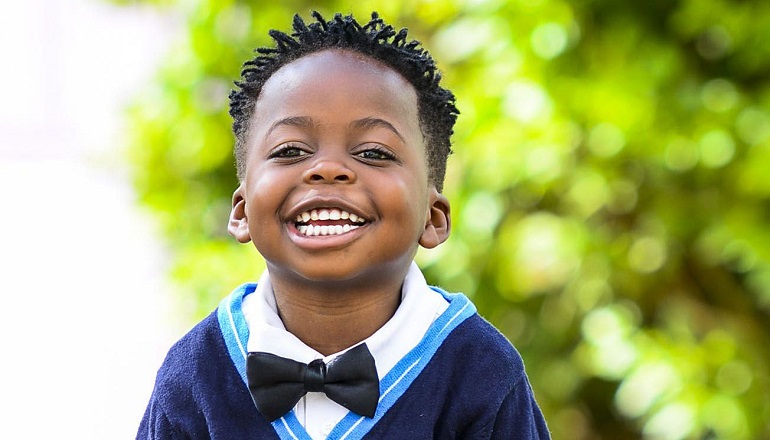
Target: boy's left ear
{"x":238,"y":226}
{"x":439,"y":223}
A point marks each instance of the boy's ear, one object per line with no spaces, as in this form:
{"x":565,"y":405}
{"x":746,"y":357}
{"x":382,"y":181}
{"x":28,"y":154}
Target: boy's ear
{"x":438,"y":223}
{"x":238,"y":226}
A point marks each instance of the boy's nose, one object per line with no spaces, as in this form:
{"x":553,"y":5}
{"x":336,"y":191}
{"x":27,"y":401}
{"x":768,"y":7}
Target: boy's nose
{"x":328,"y":170}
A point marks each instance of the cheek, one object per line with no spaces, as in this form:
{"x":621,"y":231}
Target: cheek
{"x":263,"y":201}
{"x":412,"y":198}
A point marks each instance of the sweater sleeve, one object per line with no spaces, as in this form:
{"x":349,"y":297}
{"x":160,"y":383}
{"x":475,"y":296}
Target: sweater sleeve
{"x":155,"y":424}
{"x":519,"y":416}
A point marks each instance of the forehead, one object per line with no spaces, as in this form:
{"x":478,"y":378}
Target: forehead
{"x":338,"y":86}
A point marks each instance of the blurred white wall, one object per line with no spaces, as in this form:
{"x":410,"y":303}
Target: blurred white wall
{"x":86,"y":313}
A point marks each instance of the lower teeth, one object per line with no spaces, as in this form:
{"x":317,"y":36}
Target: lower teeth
{"x":318,"y":230}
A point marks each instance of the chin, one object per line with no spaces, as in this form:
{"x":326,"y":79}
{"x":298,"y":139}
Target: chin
{"x":333,"y":273}
{"x":336,"y":272}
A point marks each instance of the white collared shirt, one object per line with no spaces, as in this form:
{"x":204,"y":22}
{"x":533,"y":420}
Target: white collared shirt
{"x":420,"y":306}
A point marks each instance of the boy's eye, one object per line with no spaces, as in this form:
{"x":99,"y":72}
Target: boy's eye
{"x":375,"y":154}
{"x":288,"y":151}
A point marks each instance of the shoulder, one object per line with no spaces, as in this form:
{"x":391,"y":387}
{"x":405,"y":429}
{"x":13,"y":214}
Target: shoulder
{"x":477,"y":346}
{"x":469,"y":343}
{"x":203,"y":352}
{"x":473,"y":386}
{"x":489,"y":336}
{"x":488,"y":372}
{"x":197,"y":355}
{"x":174,"y":404}
{"x":198,"y":389}
{"x":201,"y":342}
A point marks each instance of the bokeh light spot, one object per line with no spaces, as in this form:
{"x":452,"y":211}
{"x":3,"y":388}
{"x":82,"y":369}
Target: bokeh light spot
{"x":546,"y":253}
{"x":647,"y":254}
{"x":734,"y":377}
{"x":717,"y":148}
{"x":719,"y":95}
{"x":681,"y":154}
{"x":608,"y":330}
{"x":463,"y":39}
{"x":624,"y":197}
{"x":673,"y":422}
{"x":544,"y":163}
{"x":714,"y":43}
{"x":592,"y":292}
{"x":606,"y":140}
{"x":549,"y":40}
{"x":753,"y":126}
{"x":526,"y":101}
{"x":644,"y":387}
{"x":589,"y":193}
{"x":482,"y":212}
{"x":725,"y":416}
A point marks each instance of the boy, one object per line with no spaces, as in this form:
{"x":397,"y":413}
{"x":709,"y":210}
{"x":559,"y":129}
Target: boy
{"x":342,"y":135}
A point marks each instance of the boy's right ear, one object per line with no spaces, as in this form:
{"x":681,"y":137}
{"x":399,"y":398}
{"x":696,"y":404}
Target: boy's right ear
{"x":238,"y":226}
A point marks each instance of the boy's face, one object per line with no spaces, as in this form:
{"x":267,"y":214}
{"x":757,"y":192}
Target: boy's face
{"x":335,"y":137}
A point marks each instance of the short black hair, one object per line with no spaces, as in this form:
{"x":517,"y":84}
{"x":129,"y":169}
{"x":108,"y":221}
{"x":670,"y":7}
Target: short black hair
{"x":377,"y":40}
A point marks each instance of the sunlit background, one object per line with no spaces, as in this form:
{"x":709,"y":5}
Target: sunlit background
{"x":86,"y":318}
{"x":610,"y":194}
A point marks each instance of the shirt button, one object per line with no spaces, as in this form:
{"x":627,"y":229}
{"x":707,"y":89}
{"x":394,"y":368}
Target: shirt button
{"x":327,"y":428}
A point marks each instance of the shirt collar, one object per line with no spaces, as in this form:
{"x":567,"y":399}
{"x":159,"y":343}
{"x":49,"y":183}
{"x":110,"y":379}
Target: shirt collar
{"x":420,"y":305}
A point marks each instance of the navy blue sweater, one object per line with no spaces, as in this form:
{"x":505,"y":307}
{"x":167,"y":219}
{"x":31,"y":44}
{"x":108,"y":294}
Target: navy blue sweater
{"x":463,"y":381}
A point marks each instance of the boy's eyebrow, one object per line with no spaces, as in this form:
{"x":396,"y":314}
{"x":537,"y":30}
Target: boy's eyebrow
{"x":291,"y":121}
{"x":307,"y":123}
{"x":371,"y":122}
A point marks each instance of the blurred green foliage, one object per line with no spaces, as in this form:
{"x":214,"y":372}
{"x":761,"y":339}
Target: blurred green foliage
{"x":610,"y":192}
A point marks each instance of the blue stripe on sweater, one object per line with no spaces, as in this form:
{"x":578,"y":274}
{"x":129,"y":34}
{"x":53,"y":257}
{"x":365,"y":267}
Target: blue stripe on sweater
{"x":289,"y":427}
{"x":232,"y":323}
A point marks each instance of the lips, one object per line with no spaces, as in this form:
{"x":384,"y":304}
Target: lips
{"x":327,"y":221}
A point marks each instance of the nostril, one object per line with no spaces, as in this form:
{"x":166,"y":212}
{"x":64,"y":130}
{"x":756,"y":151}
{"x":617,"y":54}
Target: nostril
{"x":329,"y":171}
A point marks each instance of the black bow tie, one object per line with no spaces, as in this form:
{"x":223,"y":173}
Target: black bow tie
{"x":277,"y":383}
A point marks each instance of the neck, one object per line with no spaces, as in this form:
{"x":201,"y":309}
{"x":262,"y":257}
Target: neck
{"x":332,"y":317}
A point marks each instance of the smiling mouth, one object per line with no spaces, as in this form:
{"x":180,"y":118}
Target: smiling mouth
{"x":327,"y":221}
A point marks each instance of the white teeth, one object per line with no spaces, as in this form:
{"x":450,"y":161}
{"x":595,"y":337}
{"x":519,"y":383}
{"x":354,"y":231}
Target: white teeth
{"x":327,"y":214}
{"x":316,"y":230}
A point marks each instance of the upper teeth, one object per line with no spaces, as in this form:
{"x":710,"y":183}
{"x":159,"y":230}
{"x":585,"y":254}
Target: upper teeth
{"x":328,"y":214}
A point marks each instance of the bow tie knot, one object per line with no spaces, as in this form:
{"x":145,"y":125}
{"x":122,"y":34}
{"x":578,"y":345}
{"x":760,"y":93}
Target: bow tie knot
{"x":315,"y":376}
{"x":276,"y":384}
